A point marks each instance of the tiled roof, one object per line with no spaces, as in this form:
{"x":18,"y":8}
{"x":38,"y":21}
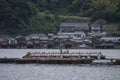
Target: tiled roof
{"x":75,"y":24}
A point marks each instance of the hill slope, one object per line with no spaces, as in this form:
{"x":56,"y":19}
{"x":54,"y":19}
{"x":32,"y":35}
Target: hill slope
{"x":34,"y":16}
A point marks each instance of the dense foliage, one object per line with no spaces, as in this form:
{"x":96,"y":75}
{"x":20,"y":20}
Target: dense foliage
{"x":43,"y":16}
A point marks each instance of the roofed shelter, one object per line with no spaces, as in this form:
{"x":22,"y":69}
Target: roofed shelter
{"x":73,"y":27}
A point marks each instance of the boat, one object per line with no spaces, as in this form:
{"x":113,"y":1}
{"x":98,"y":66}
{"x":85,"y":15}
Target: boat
{"x":115,"y":61}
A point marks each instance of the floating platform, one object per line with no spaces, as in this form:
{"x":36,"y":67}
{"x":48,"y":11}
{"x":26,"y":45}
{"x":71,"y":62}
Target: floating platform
{"x":59,"y":61}
{"x":55,"y":58}
{"x":46,"y":60}
{"x":65,"y":55}
{"x":115,"y":61}
{"x":55,"y":61}
{"x":8,"y":60}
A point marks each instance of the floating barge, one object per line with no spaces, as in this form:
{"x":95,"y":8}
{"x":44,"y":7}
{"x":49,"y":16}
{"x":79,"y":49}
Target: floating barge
{"x":55,"y":61}
{"x":115,"y":61}
{"x":64,"y":55}
{"x":8,"y":60}
{"x":55,"y":58}
{"x":46,"y":60}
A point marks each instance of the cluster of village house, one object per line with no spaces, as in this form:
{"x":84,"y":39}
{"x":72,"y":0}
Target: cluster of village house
{"x":70,"y":35}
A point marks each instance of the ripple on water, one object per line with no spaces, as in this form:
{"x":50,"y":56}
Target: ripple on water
{"x":58,"y":72}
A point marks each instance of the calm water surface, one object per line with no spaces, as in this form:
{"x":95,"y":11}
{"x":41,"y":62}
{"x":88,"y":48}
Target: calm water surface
{"x":58,"y":72}
{"x":18,"y":53}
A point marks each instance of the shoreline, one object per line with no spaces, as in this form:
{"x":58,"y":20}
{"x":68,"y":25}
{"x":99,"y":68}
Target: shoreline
{"x":62,"y":48}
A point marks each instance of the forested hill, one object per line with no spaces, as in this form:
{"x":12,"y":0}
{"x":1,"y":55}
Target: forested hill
{"x":42,"y":16}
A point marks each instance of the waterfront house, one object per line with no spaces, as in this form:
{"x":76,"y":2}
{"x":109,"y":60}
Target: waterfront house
{"x":87,"y":41}
{"x":100,"y":25}
{"x":35,"y":40}
{"x":3,"y":42}
{"x":12,"y":42}
{"x":29,"y":43}
{"x":108,"y":42}
{"x":69,"y":44}
{"x":60,"y":39}
{"x":96,"y":28}
{"x":97,"y":34}
{"x":73,"y":26}
{"x":51,"y":43}
{"x":43,"y":41}
{"x":21,"y":41}
{"x":113,"y":40}
{"x":50,"y":35}
{"x":76,"y":37}
{"x":104,"y":45}
{"x":72,"y":35}
{"x":110,"y":39}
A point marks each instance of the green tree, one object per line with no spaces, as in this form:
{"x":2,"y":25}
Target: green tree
{"x":80,"y":7}
{"x":103,"y":9}
{"x":14,"y":13}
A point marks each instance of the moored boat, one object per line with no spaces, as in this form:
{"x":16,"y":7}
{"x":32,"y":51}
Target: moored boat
{"x":115,"y":61}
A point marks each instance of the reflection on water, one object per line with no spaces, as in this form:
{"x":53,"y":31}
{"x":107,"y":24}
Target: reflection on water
{"x":58,"y":72}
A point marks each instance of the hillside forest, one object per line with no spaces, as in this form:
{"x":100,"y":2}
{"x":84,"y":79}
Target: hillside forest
{"x":22,"y":17}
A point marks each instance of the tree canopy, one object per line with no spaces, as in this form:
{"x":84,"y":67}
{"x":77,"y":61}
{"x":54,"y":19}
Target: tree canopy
{"x":30,"y":16}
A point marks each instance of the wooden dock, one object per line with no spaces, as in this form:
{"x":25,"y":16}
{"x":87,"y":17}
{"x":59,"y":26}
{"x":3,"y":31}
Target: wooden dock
{"x":59,"y":58}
